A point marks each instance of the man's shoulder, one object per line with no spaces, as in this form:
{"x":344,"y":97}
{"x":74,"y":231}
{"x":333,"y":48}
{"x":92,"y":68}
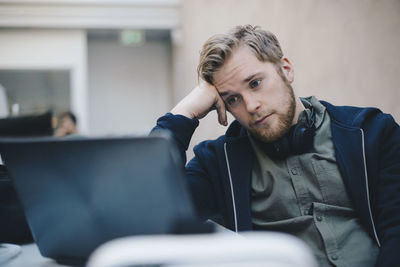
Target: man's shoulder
{"x":210,"y":145}
{"x":234,"y":132}
{"x":351,"y":115}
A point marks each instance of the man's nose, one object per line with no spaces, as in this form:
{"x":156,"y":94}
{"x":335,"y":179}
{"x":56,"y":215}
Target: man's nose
{"x":252,"y":103}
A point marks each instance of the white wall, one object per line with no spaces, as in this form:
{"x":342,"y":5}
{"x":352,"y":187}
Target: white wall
{"x":3,"y":103}
{"x":129,"y":87}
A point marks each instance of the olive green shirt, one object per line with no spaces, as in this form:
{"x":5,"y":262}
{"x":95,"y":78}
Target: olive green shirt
{"x":304,"y":195}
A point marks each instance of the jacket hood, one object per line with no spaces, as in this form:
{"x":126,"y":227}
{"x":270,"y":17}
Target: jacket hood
{"x":341,"y":114}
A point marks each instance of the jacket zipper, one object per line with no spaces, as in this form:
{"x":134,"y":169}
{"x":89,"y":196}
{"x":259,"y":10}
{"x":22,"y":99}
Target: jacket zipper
{"x":231,"y":184}
{"x":367,"y":187}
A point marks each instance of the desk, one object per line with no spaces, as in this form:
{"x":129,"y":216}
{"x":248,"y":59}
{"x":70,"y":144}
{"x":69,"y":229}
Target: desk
{"x":30,"y":256}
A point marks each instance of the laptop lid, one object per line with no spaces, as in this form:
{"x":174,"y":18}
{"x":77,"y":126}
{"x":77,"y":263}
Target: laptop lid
{"x":79,"y":193}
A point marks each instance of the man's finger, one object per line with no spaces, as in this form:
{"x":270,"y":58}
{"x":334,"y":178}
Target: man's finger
{"x":221,"y":110}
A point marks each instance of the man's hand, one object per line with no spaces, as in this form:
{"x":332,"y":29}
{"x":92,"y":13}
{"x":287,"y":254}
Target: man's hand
{"x":60,"y":132}
{"x":200,"y":101}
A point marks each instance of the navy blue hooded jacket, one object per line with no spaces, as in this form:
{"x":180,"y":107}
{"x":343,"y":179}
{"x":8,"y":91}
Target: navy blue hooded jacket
{"x":367,"y":149}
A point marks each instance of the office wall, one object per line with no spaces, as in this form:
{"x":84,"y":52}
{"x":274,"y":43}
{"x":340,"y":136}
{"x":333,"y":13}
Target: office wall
{"x":346,"y":52}
{"x":129,"y":86}
{"x":50,"y":49}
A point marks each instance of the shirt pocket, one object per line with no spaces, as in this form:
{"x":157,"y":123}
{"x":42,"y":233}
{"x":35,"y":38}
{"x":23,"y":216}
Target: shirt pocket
{"x":322,"y":164}
{"x":330,"y":181}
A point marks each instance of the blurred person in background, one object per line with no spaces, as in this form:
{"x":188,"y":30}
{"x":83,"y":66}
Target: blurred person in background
{"x":67,"y":125}
{"x":327,"y":174}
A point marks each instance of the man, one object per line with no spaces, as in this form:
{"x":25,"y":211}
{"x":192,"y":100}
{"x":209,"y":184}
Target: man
{"x":327,"y":174}
{"x":67,"y":125}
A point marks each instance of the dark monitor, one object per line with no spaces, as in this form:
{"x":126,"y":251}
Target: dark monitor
{"x":27,"y":126}
{"x":11,"y":212}
{"x":81,"y":192}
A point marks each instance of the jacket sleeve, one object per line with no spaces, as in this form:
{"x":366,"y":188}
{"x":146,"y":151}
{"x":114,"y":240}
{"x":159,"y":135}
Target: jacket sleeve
{"x":181,"y":129}
{"x":387,"y":199}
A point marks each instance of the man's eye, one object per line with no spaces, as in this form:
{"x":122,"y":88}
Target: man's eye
{"x":255,"y":83}
{"x":231,"y":101}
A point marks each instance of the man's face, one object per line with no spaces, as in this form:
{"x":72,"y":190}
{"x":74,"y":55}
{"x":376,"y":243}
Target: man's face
{"x":256,"y":94}
{"x":67,"y":124}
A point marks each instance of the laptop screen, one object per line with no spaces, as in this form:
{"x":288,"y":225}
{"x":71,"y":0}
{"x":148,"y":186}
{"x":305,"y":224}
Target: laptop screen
{"x":79,"y":193}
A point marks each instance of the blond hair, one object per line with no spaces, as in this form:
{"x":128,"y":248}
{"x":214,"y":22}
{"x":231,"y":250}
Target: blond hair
{"x":217,"y":49}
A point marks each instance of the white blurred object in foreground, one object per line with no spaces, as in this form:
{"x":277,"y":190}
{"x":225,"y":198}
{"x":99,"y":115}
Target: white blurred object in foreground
{"x":247,"y":249}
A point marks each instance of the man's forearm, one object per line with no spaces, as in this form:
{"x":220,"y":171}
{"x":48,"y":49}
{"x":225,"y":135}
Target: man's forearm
{"x":199,"y":102}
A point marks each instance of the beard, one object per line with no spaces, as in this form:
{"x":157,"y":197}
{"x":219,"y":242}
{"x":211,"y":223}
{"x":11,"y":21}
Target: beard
{"x":271,"y":132}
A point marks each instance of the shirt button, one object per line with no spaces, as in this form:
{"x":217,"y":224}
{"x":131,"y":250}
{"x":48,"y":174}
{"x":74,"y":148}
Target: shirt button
{"x":307,"y":212}
{"x":334,"y":257}
{"x":294,"y":171}
{"x":319,"y":218}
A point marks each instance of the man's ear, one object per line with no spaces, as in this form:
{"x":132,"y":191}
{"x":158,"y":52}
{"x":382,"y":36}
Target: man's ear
{"x":287,"y":69}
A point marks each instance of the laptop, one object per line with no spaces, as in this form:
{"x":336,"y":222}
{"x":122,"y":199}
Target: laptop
{"x":78,"y":193}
